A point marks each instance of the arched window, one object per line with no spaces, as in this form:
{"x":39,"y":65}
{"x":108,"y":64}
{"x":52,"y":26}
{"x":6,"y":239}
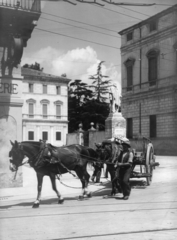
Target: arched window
{"x":152,"y":56}
{"x":129,"y":67}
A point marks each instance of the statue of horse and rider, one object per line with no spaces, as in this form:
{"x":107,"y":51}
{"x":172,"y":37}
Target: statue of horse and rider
{"x":115,"y":98}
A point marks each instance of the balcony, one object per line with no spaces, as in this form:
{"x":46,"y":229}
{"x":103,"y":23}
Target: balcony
{"x":27,"y":5}
{"x":41,"y":117}
{"x":18,"y":18}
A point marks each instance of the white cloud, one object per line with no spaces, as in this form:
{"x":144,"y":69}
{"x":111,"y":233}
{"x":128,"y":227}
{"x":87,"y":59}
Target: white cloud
{"x":78,"y":63}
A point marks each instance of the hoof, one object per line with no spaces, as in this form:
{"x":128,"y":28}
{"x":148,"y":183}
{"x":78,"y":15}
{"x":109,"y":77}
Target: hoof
{"x":89,"y":195}
{"x":35,"y":205}
{"x":61,"y":201}
{"x":80,"y":198}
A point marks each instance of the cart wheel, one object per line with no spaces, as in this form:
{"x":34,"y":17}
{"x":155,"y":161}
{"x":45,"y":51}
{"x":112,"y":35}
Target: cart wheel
{"x":149,"y":160}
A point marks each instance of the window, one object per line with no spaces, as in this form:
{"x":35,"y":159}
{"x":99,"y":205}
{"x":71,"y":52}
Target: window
{"x":44,"y":110}
{"x":152,"y":26}
{"x":152,"y":67}
{"x":129,"y":128}
{"x":58,"y":136}
{"x":31,"y":110}
{"x":58,"y":111}
{"x":30,"y":87}
{"x":58,"y":90}
{"x":129,"y":78}
{"x":44,"y":135}
{"x":152,"y":126}
{"x":129,"y":67}
{"x":129,"y":36}
{"x":44,"y":89}
{"x":30,"y":135}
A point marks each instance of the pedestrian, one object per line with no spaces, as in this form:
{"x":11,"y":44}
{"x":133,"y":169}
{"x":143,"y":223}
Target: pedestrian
{"x":124,"y":167}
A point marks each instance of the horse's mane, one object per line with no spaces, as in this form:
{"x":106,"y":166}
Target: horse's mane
{"x":31,"y":144}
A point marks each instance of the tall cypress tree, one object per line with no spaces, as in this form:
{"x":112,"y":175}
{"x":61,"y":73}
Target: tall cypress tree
{"x":100,"y":84}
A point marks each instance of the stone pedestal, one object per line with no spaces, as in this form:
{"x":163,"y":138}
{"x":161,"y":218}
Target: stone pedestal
{"x":115,"y":126}
{"x":10,"y":125}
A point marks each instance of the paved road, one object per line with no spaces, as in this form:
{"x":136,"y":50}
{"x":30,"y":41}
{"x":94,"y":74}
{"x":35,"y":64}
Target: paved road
{"x":149,"y":214}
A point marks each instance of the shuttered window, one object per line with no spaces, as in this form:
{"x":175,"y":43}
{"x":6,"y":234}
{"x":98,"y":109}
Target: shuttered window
{"x":129,"y":68}
{"x":152,"y":126}
{"x":58,"y":111}
{"x":152,"y":26}
{"x":129,"y":36}
{"x":44,"y":110}
{"x":31,"y":110}
{"x":30,"y":135}
{"x":30,"y":87}
{"x":152,"y":71}
{"x":58,"y":136}
{"x":44,"y":135}
{"x":153,"y":67}
{"x":129,"y":128}
{"x":45,"y":89}
{"x":58,"y":90}
{"x":129,"y":77}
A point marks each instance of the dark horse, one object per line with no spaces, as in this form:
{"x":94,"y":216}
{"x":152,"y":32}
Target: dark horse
{"x":74,"y":157}
{"x":110,"y":153}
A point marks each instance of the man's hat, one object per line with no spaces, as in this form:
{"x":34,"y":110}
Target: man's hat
{"x":125,"y":141}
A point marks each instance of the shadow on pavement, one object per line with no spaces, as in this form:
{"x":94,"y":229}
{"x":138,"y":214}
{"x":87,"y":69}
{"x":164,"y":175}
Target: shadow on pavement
{"x":102,"y":192}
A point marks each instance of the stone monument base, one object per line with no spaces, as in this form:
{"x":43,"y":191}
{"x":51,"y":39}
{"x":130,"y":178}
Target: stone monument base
{"x":115,"y":126}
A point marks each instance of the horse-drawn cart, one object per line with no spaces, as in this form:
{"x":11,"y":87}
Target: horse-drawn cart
{"x":144,"y":159}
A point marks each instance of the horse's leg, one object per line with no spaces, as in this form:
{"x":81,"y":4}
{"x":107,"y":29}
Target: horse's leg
{"x":53,"y":181}
{"x":39,"y":189}
{"x":84,"y":178}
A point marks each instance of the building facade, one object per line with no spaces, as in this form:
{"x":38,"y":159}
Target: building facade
{"x":17,"y":21}
{"x":45,"y":107}
{"x":149,"y":80}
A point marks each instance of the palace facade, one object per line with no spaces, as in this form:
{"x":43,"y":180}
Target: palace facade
{"x":149,"y":80}
{"x":45,"y":107}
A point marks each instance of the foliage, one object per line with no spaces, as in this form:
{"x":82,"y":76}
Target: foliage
{"x":35,"y":66}
{"x":87,"y":103}
{"x":100,"y":85}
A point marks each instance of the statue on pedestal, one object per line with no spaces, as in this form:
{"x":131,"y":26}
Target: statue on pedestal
{"x":114,"y":97}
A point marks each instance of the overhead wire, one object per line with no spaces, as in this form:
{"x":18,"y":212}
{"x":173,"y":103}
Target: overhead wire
{"x":64,"y":35}
{"x":80,"y":27}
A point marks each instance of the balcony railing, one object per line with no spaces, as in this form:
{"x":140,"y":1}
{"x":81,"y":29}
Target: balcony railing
{"x":28,"y":5}
{"x":44,"y":117}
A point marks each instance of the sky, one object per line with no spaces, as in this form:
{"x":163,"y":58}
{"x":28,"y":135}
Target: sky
{"x":72,"y":40}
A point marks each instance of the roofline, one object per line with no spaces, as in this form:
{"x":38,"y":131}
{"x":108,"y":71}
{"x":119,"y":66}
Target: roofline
{"x":43,"y":76}
{"x":158,"y":15}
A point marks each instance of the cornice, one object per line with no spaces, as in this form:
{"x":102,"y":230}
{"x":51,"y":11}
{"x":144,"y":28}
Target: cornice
{"x":151,"y":38}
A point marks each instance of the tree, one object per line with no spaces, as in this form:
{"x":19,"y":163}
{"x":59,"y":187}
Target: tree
{"x":79,"y":94}
{"x":35,"y":66}
{"x":100,"y":85}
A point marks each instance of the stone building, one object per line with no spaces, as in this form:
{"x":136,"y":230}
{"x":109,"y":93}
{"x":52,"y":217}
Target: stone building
{"x":45,"y":107}
{"x":149,"y":80}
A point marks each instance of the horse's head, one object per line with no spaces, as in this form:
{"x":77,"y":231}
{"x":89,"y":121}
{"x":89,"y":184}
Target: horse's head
{"x":16,"y":156}
{"x":103,"y":152}
{"x":109,"y":152}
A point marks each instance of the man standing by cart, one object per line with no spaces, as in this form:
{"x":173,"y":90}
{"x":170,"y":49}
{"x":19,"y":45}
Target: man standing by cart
{"x":124,"y":165}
